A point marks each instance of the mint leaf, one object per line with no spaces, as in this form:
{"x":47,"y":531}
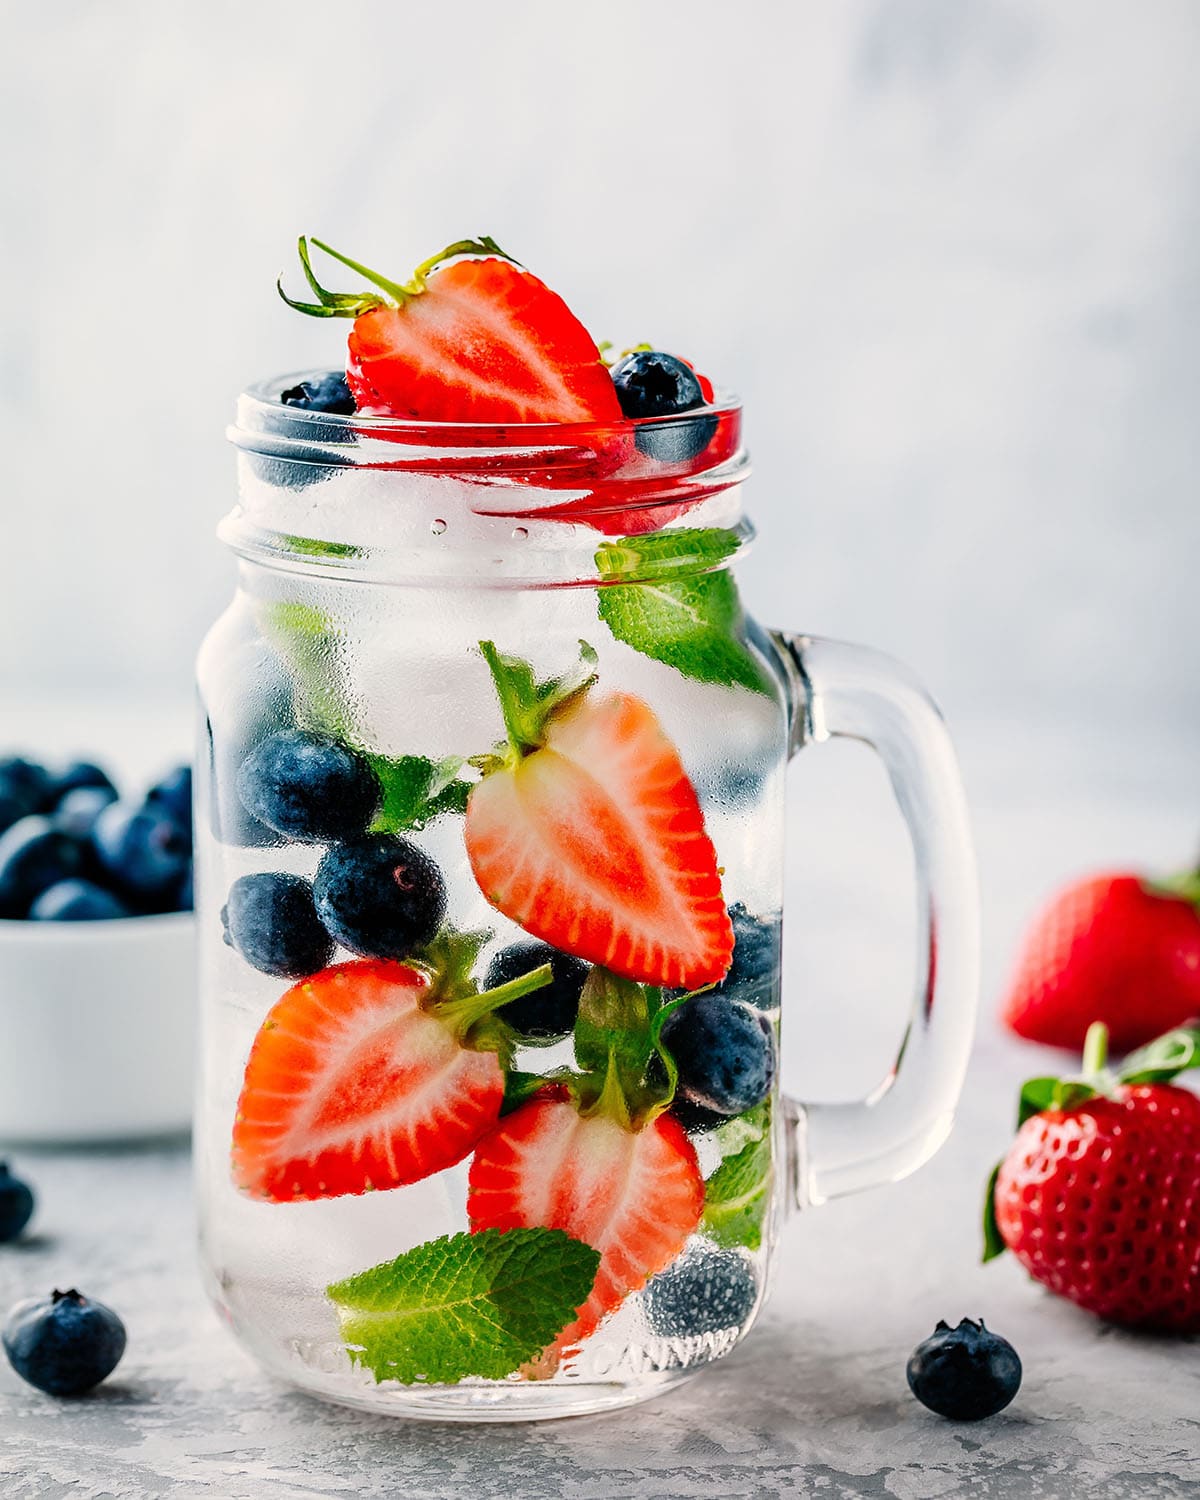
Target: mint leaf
{"x":738,"y":1193}
{"x":417,"y":790}
{"x":308,"y":641}
{"x":464,"y":1304}
{"x":691,"y":621}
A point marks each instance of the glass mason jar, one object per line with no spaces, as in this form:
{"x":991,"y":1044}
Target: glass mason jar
{"x":483,"y":689}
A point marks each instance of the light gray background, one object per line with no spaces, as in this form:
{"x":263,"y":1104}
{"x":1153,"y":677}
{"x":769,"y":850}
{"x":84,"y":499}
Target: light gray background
{"x":947,"y":252}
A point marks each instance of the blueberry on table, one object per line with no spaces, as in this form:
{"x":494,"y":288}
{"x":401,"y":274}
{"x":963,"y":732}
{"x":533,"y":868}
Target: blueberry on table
{"x":964,"y":1373}
{"x":35,"y":855}
{"x":77,"y":901}
{"x":308,"y":786}
{"x":78,"y":810}
{"x":705,"y":1291}
{"x":142,"y":851}
{"x":753,"y":975}
{"x":380,"y":896}
{"x":271,"y":920}
{"x":547,"y":1014}
{"x":173,"y":795}
{"x":80,"y":774}
{"x":63,"y":1344}
{"x":652,"y":384}
{"x":16,"y":1204}
{"x":724,"y":1051}
{"x":329,"y":392}
{"x":30,"y":780}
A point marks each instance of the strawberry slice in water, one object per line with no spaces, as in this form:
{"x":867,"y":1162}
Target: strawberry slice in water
{"x":635,"y":1195}
{"x":587,"y":832}
{"x":371,"y":1074}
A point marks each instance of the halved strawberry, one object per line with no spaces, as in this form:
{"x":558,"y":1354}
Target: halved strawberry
{"x":588,"y":833}
{"x":634,"y":1195}
{"x":466,"y":340}
{"x":371,"y":1074}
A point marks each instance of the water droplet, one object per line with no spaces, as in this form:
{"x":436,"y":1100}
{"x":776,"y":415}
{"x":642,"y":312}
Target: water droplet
{"x":520,"y":533}
{"x":437,"y":527}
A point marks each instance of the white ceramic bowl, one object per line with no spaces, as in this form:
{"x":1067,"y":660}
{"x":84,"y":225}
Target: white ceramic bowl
{"x":97,"y":1029}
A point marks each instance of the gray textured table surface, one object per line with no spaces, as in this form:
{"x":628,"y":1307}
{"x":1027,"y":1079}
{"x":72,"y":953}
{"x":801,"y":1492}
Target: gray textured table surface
{"x":814,"y":1403}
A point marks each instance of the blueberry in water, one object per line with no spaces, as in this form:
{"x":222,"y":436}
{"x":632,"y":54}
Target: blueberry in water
{"x":547,"y":1014}
{"x":380,"y":895}
{"x":271,"y":920}
{"x":30,"y":780}
{"x":173,"y":795}
{"x":143,"y":852}
{"x":964,"y":1373}
{"x":753,"y":975}
{"x":652,"y":384}
{"x":35,"y":855}
{"x":257,"y":701}
{"x":695,"y":1119}
{"x":329,"y":392}
{"x":78,"y":810}
{"x":308,"y":787}
{"x":16,"y":1204}
{"x":724,"y":1051}
{"x":705,"y":1291}
{"x":64,"y":1344}
{"x":77,"y":901}
{"x":80,"y":774}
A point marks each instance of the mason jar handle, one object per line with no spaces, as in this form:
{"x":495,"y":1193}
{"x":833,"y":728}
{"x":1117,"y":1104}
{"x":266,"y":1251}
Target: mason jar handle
{"x":840,"y":691}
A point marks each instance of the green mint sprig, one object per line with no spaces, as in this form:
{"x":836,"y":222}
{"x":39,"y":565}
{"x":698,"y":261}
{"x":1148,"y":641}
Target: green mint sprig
{"x":738,"y":1194}
{"x":464,"y":1305}
{"x":690,"y":621}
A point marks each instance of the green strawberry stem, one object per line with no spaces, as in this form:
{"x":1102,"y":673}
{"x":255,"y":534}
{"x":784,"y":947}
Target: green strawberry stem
{"x":526,"y":705}
{"x":355,"y":304}
{"x":1184,"y":887}
{"x":1095,"y":1049}
{"x":466,"y":1011}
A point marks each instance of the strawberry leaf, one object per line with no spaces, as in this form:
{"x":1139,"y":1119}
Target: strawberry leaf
{"x":465,"y":1304}
{"x":993,"y":1242}
{"x":615,"y":1026}
{"x":738,"y":1194}
{"x":1037,"y":1094}
{"x":1164,"y":1058}
{"x":525,"y":703}
{"x":691,"y":621}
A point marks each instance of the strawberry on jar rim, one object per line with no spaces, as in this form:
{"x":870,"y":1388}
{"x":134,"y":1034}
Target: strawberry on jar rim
{"x":587,"y":832}
{"x":1114,"y":948}
{"x":1099,"y":1195}
{"x":471,"y":337}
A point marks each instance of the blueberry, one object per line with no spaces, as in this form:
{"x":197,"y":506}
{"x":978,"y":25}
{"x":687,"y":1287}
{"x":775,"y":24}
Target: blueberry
{"x":185,"y":896}
{"x":652,"y":384}
{"x":77,"y":812}
{"x":77,"y":901}
{"x":724,"y":1051}
{"x":141,"y":851}
{"x":695,"y":1119}
{"x":329,"y":392}
{"x":271,"y":920}
{"x":705,"y":1291}
{"x":16,"y":1204}
{"x":173,"y":795}
{"x":258,"y":701}
{"x":30,"y":780}
{"x":964,"y":1373}
{"x":80,"y":774}
{"x":35,"y":855}
{"x":753,"y":975}
{"x":380,"y":895}
{"x":15,"y":804}
{"x":64,"y":1344}
{"x":308,"y":787}
{"x":547,"y":1014}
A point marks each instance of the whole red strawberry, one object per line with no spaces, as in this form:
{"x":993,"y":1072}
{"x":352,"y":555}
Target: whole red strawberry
{"x":1099,"y":1195}
{"x":1116,"y":949}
